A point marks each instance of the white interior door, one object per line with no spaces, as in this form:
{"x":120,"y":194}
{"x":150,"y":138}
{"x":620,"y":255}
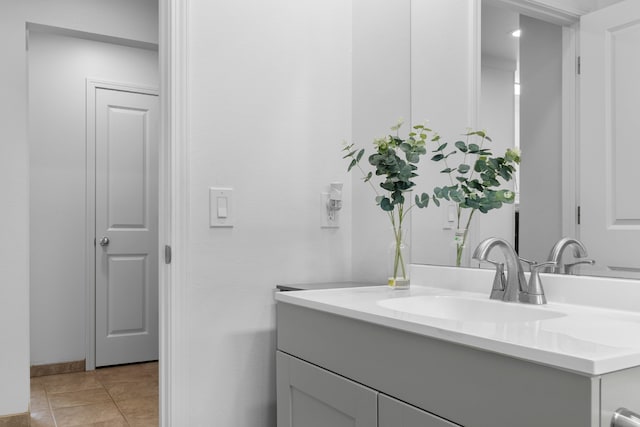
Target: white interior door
{"x":126,"y":126}
{"x":609,"y":139}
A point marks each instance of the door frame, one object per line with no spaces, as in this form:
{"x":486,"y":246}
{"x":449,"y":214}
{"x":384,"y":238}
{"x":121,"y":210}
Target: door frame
{"x":174,"y":209}
{"x":92,"y":86}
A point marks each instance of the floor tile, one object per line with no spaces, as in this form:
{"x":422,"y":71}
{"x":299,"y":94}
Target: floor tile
{"x":70,"y":382}
{"x":38,"y":398}
{"x":133,"y":390}
{"x":78,"y":398}
{"x":42,"y":418}
{"x":111,"y":423}
{"x":84,"y":399}
{"x":87,"y":414}
{"x":128,"y":373}
{"x":142,"y":412}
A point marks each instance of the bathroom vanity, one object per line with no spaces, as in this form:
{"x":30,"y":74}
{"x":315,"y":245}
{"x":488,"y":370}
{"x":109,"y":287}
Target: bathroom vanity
{"x":445,"y":355}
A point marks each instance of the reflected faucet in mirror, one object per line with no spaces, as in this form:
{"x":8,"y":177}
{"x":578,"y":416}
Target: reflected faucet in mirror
{"x":579,"y":252}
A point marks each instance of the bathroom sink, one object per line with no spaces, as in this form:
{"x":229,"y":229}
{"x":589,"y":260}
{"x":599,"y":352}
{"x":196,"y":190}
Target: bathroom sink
{"x":468,"y":309}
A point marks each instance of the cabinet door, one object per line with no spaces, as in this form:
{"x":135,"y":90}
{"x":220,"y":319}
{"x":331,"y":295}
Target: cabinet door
{"x":309,"y":396}
{"x":394,"y":413}
{"x":619,"y":390}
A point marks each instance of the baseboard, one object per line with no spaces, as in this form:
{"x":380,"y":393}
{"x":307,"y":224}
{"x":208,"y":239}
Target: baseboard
{"x":16,"y":420}
{"x":57,"y":368}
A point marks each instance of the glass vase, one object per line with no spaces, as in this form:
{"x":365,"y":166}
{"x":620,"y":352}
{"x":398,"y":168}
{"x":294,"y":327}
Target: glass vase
{"x":460,"y":253}
{"x":398,"y":262}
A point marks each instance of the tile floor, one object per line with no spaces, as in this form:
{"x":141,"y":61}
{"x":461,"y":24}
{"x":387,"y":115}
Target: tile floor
{"x":107,"y":397}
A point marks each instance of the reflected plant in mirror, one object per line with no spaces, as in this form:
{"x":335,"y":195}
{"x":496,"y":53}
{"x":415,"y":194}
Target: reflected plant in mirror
{"x":475,"y":181}
{"x":395,"y":159}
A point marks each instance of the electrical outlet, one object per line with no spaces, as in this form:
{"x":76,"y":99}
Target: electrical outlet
{"x":326,"y":221}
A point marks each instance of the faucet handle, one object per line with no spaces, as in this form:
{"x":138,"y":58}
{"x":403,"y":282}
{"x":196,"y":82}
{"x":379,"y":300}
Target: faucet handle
{"x":528,"y":261}
{"x":499,"y":280}
{"x":535,"y":291}
{"x":568,"y":268}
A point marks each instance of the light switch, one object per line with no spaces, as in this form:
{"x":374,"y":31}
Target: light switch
{"x":220,"y":207}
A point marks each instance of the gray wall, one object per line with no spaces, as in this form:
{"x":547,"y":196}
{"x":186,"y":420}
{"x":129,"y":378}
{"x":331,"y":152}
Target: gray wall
{"x":58,"y":68}
{"x":540,"y":137}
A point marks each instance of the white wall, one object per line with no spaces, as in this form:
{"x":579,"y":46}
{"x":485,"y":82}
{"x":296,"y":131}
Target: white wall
{"x":87,"y":15}
{"x":381,"y":95}
{"x":540,"y":137}
{"x":58,"y":68}
{"x":270,"y":104}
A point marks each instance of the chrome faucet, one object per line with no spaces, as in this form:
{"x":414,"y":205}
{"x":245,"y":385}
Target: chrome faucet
{"x":516,"y":286}
{"x":579,"y":251}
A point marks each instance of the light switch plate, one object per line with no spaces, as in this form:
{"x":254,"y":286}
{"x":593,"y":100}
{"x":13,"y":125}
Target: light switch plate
{"x":221,"y":212}
{"x":449,"y":221}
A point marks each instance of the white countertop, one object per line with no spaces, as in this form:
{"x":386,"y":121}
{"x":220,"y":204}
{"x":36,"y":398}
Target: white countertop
{"x":587,"y":339}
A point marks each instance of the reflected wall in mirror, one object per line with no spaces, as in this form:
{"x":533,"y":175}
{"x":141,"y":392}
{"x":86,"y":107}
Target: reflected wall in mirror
{"x":540,"y":64}
{"x":521,"y":96}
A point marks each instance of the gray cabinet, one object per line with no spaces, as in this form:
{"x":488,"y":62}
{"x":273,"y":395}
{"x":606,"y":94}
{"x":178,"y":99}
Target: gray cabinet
{"x":309,"y":396}
{"x":312,"y":397}
{"x":393,"y":413}
{"x":435,"y":378}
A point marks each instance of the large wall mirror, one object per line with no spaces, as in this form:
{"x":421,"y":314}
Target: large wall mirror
{"x":528,"y":95}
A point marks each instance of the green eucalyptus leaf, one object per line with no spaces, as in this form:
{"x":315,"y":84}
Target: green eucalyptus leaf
{"x":474,"y":148}
{"x":504,"y":173}
{"x":405,"y":147}
{"x":437,"y":157}
{"x":441,"y":147}
{"x":386,"y":204}
{"x":436,"y":201}
{"x":368,"y":177}
{"x":475,"y":184}
{"x":447,"y":170}
{"x":352,"y":164}
{"x":360,"y":154}
{"x":460,"y":145}
{"x":463,"y":168}
{"x":397,"y":197}
{"x":457,"y":196}
{"x":351,"y":153}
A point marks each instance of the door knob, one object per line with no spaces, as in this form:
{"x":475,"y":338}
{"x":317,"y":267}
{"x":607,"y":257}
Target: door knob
{"x":104,"y":241}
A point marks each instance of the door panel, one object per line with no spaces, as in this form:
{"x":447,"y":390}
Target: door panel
{"x":610,"y":100}
{"x":126,"y":213}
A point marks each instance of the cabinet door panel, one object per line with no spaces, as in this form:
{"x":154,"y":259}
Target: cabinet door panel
{"x":394,"y":413}
{"x":309,"y":396}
